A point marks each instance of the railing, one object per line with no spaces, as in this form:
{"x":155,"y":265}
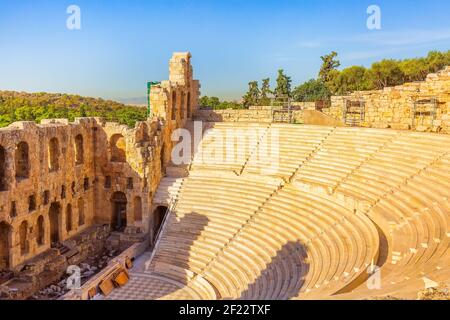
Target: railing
{"x":170,"y":208}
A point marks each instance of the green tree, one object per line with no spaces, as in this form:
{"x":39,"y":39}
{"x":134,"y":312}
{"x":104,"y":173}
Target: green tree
{"x":328,"y":69}
{"x":212,"y":102}
{"x":20,"y":106}
{"x":251,"y":98}
{"x":351,"y":79}
{"x":216,"y":104}
{"x":437,"y":60}
{"x":264,"y":99}
{"x":414,"y":69}
{"x":387,"y":73}
{"x":283,"y":88}
{"x":312,"y":90}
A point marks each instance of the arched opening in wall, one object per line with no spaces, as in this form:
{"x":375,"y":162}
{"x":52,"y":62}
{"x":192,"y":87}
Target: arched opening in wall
{"x":32,"y":203}
{"x":53,"y":155}
{"x":63,"y":192}
{"x":81,"y":217}
{"x":5,"y":231}
{"x":23,"y":237}
{"x":174,"y":105}
{"x":158,"y":218}
{"x":188,"y":105}
{"x":108,"y":182}
{"x":22,"y":161}
{"x":119,"y":214}
{"x":163,"y":154}
{"x":79,"y":150}
{"x":55,"y":216}
{"x":137,"y":209}
{"x":118,"y":148}
{"x":40,"y":239}
{"x":142,"y":134}
{"x":182,"y":105}
{"x":3,"y":183}
{"x":69,"y":218}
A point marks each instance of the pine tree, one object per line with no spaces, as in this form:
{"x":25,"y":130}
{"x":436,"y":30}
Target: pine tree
{"x":329,"y":65}
{"x":328,"y":71}
{"x":251,"y":98}
{"x":283,"y":88}
{"x":265,"y":92}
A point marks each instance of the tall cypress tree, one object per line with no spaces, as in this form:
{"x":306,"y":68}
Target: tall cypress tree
{"x":251,"y":98}
{"x":283,"y":88}
{"x":264,"y":99}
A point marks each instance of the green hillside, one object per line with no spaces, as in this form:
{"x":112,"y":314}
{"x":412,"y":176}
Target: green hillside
{"x":22,"y":106}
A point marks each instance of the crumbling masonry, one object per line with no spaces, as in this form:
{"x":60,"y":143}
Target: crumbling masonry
{"x":59,"y":179}
{"x":421,"y":106}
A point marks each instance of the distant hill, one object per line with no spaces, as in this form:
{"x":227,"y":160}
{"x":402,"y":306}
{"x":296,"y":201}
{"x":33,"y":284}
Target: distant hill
{"x":22,"y":106}
{"x":136,"y":101}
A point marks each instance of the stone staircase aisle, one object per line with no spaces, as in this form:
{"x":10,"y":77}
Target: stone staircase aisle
{"x":169,"y":188}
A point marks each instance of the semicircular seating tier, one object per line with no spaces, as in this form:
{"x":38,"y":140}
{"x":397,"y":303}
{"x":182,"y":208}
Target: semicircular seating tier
{"x":333,"y":209}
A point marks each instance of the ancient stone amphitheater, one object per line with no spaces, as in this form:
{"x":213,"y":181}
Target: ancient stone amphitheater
{"x":343,"y":200}
{"x":264,"y":210}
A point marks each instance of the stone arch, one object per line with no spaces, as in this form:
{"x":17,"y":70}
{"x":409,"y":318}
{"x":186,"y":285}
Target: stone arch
{"x":55,"y":219}
{"x":22,"y":160}
{"x":188,"y":105}
{"x":137,"y":209}
{"x":79,"y":149}
{"x":53,"y":154}
{"x":69,"y":226}
{"x":174,"y":105}
{"x":5,"y":244}
{"x":3,"y":182}
{"x":119,"y":211}
{"x":118,"y":147}
{"x":40,"y":237}
{"x":158,"y":217}
{"x":81,"y":215}
{"x":23,"y":238}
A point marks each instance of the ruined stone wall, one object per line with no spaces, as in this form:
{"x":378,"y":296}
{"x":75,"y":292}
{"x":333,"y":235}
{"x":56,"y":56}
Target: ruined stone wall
{"x":37,"y":198}
{"x":392,"y":107}
{"x":59,"y":178}
{"x":253,"y":114}
{"x":261,"y":114}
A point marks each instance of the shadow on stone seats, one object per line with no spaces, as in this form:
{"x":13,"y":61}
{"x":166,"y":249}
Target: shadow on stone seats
{"x":283,"y":277}
{"x":175,"y":250}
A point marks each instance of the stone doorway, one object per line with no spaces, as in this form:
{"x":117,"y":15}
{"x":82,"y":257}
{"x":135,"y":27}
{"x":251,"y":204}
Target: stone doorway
{"x":158,"y":218}
{"x":119,"y":214}
{"x":5,"y":231}
{"x":55,"y":216}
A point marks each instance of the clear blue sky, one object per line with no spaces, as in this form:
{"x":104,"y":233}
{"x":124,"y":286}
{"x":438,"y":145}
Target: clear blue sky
{"x":123,"y":44}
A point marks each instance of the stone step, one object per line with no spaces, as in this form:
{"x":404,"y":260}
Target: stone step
{"x":177,"y":171}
